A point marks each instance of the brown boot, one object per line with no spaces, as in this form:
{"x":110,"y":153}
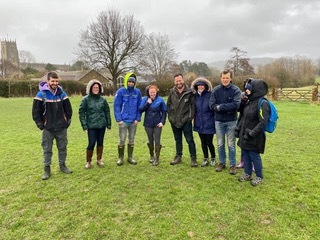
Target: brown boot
{"x":89,"y":158}
{"x":177,"y":159}
{"x":151,"y":151}
{"x":99,"y":156}
{"x":156,"y":160}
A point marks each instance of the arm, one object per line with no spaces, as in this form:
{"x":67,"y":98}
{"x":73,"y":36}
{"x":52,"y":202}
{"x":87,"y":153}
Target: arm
{"x":37,"y":113}
{"x":263,"y":115}
{"x":144,"y":105}
{"x":82,"y":114}
{"x":107,"y":114}
{"x":138,"y":118}
{"x":231,"y":106}
{"x":117,"y":106}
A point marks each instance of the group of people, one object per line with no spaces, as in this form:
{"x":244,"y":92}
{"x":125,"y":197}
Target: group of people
{"x":198,"y":108}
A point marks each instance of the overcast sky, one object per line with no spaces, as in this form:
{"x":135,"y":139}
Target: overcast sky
{"x":202,"y":31}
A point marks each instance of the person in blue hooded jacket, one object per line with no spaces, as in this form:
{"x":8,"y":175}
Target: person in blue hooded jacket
{"x":126,"y":112}
{"x":155,"y":117}
{"x":52,"y":112}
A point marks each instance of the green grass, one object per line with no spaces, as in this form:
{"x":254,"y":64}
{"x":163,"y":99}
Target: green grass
{"x":163,"y":202}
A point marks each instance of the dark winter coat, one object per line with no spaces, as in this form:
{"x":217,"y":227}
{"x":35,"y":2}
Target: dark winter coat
{"x":181,"y":109}
{"x":228,"y":101}
{"x":51,"y":111}
{"x":251,"y":123}
{"x":155,"y":112}
{"x":94,"y":111}
{"x":204,"y":117}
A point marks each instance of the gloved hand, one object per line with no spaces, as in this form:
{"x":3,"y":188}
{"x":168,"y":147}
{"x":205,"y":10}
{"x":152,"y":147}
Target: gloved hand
{"x":236,"y":132}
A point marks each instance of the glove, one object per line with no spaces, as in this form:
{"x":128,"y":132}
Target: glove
{"x":236,"y":132}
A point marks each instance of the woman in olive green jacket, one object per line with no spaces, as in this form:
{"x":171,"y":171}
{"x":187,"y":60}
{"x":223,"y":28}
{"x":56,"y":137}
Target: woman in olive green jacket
{"x":94,"y":115}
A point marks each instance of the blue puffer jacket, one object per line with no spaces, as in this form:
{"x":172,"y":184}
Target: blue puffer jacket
{"x":156,"y":111}
{"x":228,"y":99}
{"x":204,"y":119}
{"x":127,"y":102}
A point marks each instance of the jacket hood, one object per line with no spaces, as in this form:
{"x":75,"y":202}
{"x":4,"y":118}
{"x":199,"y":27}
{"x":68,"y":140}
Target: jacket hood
{"x":43,"y":86}
{"x":194,"y":87}
{"x":259,"y":88}
{"x":127,"y":76}
{"x":91,"y":83}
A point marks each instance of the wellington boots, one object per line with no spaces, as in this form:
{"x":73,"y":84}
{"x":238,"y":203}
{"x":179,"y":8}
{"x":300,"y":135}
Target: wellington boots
{"x":194,"y":161}
{"x":64,"y":168}
{"x":99,"y":156}
{"x":89,"y":158}
{"x":156,"y":160}
{"x":130,"y":152}
{"x":121,"y":155}
{"x":151,"y":151}
{"x":47,"y":173}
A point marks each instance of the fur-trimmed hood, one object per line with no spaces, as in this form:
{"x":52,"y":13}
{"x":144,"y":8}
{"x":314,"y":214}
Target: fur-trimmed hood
{"x":194,"y":87}
{"x":91,"y":83}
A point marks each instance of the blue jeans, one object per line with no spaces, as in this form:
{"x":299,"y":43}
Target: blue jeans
{"x":226,"y":129}
{"x":61,"y":142}
{"x":95,"y":136}
{"x":249,"y":158}
{"x":123,"y":129}
{"x":186,"y":129}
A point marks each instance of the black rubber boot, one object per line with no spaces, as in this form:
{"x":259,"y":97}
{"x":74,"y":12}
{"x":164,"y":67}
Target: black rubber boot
{"x":156,"y":161}
{"x":121,"y":155}
{"x":151,"y":151}
{"x":64,"y":169}
{"x":130,"y":152}
{"x":47,"y":173}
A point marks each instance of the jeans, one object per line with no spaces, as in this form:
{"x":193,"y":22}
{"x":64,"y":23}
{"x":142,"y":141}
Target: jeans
{"x":123,"y":129}
{"x":95,"y":136}
{"x":186,"y":129}
{"x":249,"y":158}
{"x":226,"y":129}
{"x":154,"y":135}
{"x":61,"y":142}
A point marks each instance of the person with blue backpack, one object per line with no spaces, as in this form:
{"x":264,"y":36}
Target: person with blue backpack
{"x":251,"y":130}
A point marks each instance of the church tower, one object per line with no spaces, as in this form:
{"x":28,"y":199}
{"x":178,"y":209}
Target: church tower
{"x":9,"y":52}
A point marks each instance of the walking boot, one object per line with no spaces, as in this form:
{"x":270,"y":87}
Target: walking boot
{"x":213,"y":161}
{"x":151,"y":151}
{"x":130,"y":152}
{"x":194,"y":161}
{"x":64,"y":169}
{"x":99,"y":156}
{"x":121,"y":155}
{"x":205,"y":162}
{"x":89,"y":158}
{"x":177,"y":159}
{"x":47,"y":173}
{"x":156,"y":161}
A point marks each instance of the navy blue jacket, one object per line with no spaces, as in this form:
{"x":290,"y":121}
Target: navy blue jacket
{"x":204,"y":118}
{"x":225,"y":101}
{"x":156,"y":111}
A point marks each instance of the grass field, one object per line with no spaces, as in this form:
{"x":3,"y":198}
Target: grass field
{"x":163,"y":202}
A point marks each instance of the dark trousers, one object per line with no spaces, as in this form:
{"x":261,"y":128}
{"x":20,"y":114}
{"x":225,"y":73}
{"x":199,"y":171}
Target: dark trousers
{"x":249,"y":158}
{"x":186,"y":129}
{"x":207,"y":142}
{"x":95,"y":136}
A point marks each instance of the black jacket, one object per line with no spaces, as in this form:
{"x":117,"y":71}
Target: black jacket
{"x":251,"y":123}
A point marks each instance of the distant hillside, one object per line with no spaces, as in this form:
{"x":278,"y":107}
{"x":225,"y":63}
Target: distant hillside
{"x":255,"y":62}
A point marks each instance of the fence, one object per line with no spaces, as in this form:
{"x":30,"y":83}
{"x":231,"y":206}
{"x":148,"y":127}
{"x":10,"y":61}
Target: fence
{"x":310,"y":95}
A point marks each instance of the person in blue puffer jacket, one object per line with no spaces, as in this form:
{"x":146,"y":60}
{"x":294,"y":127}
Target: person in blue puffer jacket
{"x":155,"y":117}
{"x":203,"y":122}
{"x":126,"y":112}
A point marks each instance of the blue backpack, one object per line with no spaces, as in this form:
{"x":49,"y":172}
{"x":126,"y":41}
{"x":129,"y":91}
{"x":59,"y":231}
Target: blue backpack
{"x":273,"y":115}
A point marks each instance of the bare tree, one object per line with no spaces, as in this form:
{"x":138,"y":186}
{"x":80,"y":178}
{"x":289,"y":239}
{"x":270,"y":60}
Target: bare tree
{"x":239,"y":64}
{"x":112,"y":42}
{"x":159,"y":56}
{"x":26,"y":57}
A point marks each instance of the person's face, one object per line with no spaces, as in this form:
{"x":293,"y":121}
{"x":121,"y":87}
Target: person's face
{"x":130,"y":84}
{"x":201,"y":88}
{"x":95,"y":88}
{"x":53,"y":83}
{"x":152,"y":93}
{"x":225,"y":79}
{"x":179,"y":82}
